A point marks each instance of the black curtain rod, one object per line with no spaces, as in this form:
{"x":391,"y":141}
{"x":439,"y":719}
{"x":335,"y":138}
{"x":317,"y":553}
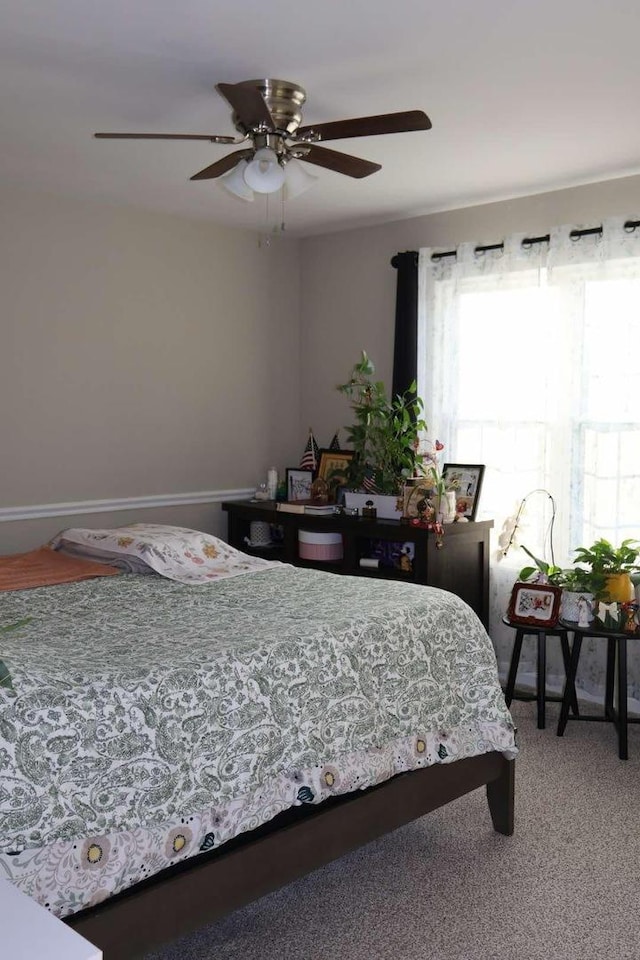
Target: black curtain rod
{"x":629,"y":226}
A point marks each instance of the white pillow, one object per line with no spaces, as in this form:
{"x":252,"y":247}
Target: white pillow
{"x":123,"y":561}
{"x":188,"y":556}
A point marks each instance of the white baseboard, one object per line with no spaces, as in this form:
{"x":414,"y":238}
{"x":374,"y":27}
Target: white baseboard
{"x":35,"y":512}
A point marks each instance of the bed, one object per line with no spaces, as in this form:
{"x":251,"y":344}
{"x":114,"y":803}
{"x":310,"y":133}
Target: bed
{"x":179,"y":741}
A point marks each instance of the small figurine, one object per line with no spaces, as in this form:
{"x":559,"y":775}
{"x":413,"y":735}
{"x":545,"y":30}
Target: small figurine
{"x":319,"y":491}
{"x":608,"y":615}
{"x":438,"y":529}
{"x":630,"y":610}
{"x":584,"y":612}
{"x":404,"y":561}
{"x":369,"y":510}
{"x":261,"y":492}
{"x":426,"y":511}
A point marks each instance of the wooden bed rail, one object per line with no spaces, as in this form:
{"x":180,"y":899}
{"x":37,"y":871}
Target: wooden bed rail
{"x":199,"y":891}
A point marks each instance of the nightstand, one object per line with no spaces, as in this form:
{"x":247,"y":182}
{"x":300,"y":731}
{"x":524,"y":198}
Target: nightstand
{"x":541,"y":696}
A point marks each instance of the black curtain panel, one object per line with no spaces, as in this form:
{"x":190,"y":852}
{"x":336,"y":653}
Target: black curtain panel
{"x":405,"y":348}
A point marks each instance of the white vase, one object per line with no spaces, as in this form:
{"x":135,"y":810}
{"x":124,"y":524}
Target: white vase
{"x":449,"y":507}
{"x":445,"y":506}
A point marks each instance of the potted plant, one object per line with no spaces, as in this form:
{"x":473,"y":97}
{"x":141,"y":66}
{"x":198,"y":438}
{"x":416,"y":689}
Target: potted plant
{"x":543,"y":572}
{"x":610,"y":568}
{"x":384,"y":437}
{"x":578,"y":587}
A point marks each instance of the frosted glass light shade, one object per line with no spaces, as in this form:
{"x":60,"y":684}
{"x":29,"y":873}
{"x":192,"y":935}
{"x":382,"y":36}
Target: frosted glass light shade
{"x":264,"y":174}
{"x":297,"y":179}
{"x":235,"y":183}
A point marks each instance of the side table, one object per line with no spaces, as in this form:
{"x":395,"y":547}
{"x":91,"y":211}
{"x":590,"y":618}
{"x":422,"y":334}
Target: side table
{"x":541,"y":676}
{"x":616,"y":652}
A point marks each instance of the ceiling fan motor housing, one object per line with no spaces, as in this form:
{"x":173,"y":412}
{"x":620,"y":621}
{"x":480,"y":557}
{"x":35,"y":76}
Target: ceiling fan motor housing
{"x":284,"y":101}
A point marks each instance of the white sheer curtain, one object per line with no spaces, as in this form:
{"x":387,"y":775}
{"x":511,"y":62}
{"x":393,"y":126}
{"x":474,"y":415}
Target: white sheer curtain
{"x":529,"y":362}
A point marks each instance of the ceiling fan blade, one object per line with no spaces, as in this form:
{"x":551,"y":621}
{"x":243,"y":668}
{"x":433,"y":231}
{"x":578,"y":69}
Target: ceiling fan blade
{"x":369,"y":126}
{"x":221,"y":166}
{"x":212,"y":138}
{"x":340,"y":162}
{"x":248,"y":104}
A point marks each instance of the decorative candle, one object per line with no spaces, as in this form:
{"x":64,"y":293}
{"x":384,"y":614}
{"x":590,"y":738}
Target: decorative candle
{"x":272,"y":482}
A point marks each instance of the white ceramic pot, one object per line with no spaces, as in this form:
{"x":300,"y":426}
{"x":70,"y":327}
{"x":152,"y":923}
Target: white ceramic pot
{"x":259,"y":534}
{"x":576,"y":606}
{"x":446,"y":507}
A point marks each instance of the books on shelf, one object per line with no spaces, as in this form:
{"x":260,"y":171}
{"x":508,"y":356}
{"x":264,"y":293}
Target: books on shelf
{"x":284,"y":506}
{"x":305,"y":506}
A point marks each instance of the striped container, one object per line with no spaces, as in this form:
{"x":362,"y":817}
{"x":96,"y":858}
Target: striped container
{"x":325,"y":547}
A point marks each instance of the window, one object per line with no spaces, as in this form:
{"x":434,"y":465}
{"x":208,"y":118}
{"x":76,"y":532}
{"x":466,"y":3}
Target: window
{"x":551,"y":403}
{"x":536,"y":373}
{"x":529,"y":362}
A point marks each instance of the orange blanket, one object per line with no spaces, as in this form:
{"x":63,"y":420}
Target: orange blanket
{"x":45,"y":567}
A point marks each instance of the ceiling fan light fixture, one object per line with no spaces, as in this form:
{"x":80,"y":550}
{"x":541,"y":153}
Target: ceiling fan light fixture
{"x":235,"y":183}
{"x":264,"y":173}
{"x":268,"y":113}
{"x":297,"y":180}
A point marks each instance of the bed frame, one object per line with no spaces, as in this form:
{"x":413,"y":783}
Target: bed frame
{"x":206,"y":887}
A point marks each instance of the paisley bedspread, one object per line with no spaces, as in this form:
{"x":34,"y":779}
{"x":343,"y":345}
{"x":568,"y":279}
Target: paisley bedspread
{"x":144,"y":704}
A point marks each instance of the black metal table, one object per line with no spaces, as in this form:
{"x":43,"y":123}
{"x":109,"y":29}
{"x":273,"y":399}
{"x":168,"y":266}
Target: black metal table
{"x":616,"y":652}
{"x":541,"y":695}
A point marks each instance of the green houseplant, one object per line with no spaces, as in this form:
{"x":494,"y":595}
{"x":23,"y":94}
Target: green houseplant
{"x":386,"y":433}
{"x":610,"y":568}
{"x":542,"y":571}
{"x":572,"y":579}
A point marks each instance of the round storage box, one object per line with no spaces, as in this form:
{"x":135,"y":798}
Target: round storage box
{"x":326,"y":547}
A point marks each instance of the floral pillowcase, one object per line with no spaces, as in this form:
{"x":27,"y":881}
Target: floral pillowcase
{"x":187,"y":556}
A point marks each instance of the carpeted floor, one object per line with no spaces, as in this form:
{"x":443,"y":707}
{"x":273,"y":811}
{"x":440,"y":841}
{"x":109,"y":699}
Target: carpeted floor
{"x":566,"y":885}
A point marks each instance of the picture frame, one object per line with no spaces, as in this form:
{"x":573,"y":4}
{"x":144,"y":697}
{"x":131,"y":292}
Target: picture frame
{"x":333,"y":467}
{"x":466,"y":479}
{"x":299,"y":483}
{"x":534,"y":604}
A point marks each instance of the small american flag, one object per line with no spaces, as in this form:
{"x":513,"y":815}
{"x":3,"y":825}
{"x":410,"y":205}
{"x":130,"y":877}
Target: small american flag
{"x":335,"y":443}
{"x":368,"y":481}
{"x":311,"y":455}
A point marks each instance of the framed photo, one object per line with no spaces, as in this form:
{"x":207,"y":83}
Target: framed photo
{"x":535,"y":604}
{"x":299,"y":483}
{"x":466,"y":480}
{"x":333,"y":468}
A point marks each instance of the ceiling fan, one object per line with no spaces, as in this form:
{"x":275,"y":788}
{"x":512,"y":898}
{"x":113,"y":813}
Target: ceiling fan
{"x":267,"y":115}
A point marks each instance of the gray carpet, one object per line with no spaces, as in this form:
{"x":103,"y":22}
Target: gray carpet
{"x":566,"y":885}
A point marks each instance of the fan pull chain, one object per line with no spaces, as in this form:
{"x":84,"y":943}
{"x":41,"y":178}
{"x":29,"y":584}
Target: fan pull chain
{"x":264,"y":238}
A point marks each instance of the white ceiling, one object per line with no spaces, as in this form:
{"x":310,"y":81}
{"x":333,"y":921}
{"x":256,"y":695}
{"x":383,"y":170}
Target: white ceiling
{"x":524,"y":96}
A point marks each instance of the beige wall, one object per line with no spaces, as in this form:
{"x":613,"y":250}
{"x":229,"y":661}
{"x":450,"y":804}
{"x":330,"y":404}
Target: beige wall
{"x":140,"y":354}
{"x":145,"y":354}
{"x":348,"y":285}
{"x":19,"y":535}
